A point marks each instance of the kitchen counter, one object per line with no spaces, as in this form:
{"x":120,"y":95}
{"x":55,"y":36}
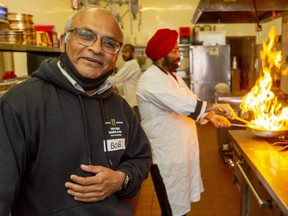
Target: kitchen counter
{"x":270,"y":165}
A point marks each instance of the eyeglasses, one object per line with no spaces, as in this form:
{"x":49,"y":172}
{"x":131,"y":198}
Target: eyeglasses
{"x":87,"y":38}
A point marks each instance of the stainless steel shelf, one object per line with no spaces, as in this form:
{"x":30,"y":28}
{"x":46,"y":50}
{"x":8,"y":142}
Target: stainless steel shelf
{"x":35,"y":54}
{"x":26,"y":48}
{"x":3,"y":21}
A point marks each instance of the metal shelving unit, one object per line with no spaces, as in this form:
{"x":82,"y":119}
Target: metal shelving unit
{"x":3,"y":21}
{"x":27,"y":48}
{"x":35,"y":54}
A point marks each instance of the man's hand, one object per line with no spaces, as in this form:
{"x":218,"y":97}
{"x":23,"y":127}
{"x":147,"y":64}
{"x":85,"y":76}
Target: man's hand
{"x":102,"y":184}
{"x":218,"y":121}
{"x":226,"y":110}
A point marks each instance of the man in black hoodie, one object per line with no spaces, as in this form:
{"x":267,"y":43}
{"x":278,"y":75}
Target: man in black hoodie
{"x":68,"y":144}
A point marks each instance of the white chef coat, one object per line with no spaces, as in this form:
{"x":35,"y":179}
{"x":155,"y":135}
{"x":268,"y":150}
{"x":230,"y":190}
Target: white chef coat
{"x":164,"y":104}
{"x":128,"y":76}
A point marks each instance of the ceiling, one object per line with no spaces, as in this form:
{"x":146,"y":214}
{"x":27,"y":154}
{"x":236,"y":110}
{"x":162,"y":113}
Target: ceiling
{"x":239,"y":11}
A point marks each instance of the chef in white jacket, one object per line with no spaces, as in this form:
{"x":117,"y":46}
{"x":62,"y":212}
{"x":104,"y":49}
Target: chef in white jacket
{"x":168,"y":111}
{"x":128,"y":75}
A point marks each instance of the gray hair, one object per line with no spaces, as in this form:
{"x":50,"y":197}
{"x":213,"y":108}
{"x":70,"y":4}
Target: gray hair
{"x":69,"y":21}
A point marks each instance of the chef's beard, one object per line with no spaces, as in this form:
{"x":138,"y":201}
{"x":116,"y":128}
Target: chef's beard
{"x":170,"y":64}
{"x":84,"y":82}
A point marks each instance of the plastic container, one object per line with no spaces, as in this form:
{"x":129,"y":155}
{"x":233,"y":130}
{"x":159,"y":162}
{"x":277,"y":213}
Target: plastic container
{"x":184,"y":35}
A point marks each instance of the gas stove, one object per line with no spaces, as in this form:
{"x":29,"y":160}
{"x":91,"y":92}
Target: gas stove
{"x":280,"y":143}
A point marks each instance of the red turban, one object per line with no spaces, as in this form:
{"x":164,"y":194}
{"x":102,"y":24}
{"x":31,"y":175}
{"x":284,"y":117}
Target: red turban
{"x":161,"y":43}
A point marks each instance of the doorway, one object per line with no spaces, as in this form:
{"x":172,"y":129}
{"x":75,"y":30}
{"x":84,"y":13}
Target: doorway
{"x":244,"y":50}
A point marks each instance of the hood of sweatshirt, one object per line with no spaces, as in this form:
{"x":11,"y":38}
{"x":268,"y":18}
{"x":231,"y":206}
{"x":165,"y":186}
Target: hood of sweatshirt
{"x":50,"y":72}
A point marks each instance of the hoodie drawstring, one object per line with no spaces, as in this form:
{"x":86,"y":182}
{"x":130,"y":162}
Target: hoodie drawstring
{"x":105,"y":134}
{"x":85,"y":129}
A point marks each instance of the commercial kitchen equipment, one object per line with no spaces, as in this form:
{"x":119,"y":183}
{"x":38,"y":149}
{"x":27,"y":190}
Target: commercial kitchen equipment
{"x":209,"y":66}
{"x":260,"y":169}
{"x":239,"y":11}
{"x":183,"y":69}
{"x":234,"y":99}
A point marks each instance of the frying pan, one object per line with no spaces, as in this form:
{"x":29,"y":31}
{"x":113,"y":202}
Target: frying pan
{"x":267,"y":133}
{"x":260,"y":132}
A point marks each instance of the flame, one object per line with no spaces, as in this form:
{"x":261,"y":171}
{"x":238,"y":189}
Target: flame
{"x":268,"y":113}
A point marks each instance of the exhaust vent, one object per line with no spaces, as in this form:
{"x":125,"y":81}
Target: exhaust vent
{"x":238,"y":11}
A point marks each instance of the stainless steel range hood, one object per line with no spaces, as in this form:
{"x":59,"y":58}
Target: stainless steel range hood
{"x":238,"y":11}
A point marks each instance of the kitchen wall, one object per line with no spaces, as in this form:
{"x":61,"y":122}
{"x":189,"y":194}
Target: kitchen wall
{"x":154,"y":15}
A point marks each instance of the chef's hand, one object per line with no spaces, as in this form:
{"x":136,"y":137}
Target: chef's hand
{"x":102,"y":184}
{"x":226,"y":109}
{"x":218,"y":121}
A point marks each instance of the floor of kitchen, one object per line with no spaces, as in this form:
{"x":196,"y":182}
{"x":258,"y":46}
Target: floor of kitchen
{"x":220,"y":198}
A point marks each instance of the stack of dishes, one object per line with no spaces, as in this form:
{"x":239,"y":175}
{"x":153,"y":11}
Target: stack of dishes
{"x":24,"y":23}
{"x":11,"y":37}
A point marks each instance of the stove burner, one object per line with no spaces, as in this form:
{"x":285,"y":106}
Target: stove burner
{"x":280,"y":143}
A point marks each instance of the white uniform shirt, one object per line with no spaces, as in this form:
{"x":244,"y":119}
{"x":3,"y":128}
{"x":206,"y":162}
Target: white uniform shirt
{"x":164,"y":104}
{"x":128,"y":76}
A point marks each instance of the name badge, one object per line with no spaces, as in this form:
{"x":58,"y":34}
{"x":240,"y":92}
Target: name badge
{"x":115,"y":144}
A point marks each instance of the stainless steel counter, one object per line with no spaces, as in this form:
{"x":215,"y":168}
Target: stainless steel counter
{"x":270,"y":166}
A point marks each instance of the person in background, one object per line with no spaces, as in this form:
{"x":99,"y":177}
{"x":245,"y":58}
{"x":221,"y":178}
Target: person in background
{"x":68,"y":144}
{"x":128,"y":75}
{"x":169,"y":110}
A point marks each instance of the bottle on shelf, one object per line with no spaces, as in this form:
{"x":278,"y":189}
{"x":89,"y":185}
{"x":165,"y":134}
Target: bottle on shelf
{"x":234,"y":64}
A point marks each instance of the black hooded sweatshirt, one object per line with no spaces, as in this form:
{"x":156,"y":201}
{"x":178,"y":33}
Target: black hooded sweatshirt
{"x":48,"y":128}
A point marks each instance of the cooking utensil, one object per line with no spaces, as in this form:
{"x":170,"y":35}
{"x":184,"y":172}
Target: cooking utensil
{"x":260,"y":132}
{"x":20,"y":17}
{"x":267,"y":133}
{"x":11,"y":37}
{"x":241,"y":119}
{"x":21,"y":25}
{"x":238,"y":125}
